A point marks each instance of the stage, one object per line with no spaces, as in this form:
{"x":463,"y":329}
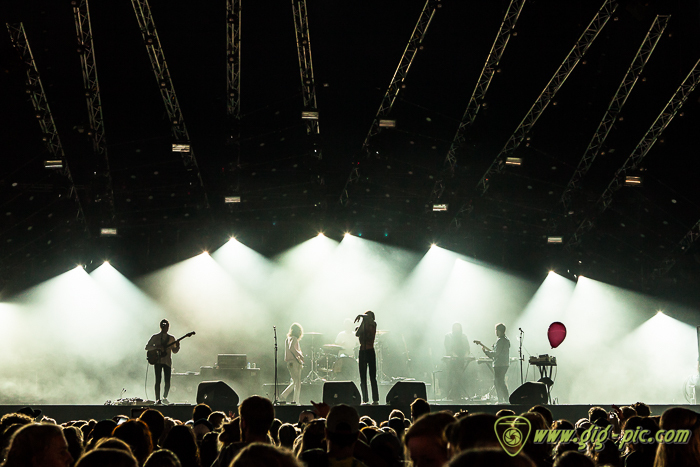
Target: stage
{"x":290,"y":413}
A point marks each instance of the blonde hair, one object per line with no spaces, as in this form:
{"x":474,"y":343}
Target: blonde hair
{"x":295,"y":330}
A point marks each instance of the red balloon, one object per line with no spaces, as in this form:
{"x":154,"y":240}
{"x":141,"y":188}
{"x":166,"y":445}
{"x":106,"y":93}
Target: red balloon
{"x":556,"y":334}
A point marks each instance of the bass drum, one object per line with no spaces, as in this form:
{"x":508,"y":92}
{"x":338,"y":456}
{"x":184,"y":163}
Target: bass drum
{"x":345,"y":369}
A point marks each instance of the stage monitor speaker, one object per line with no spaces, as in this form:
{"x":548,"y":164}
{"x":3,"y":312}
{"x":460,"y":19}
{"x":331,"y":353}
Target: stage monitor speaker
{"x":217,"y":395}
{"x":403,"y":393}
{"x":530,"y":393}
{"x":341,"y":392}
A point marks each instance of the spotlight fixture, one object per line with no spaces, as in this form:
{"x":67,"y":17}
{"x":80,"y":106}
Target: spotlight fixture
{"x":514,"y":161}
{"x":232,"y":199}
{"x":320,"y":234}
{"x":182,"y":147}
{"x":106,"y":262}
{"x":53,"y":164}
{"x":631,"y":180}
{"x":433,"y":245}
{"x":309,"y":115}
{"x":555,"y":240}
{"x":387,"y":123}
{"x":440,"y":207}
{"x":347,"y":234}
{"x":108,"y":232}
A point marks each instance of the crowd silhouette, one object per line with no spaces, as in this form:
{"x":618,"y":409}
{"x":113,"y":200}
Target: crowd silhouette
{"x":338,"y":436}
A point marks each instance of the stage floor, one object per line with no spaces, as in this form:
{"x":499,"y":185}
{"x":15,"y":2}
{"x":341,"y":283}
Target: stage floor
{"x":290,"y":413}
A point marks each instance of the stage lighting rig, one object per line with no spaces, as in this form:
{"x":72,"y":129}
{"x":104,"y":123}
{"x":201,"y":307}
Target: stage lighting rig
{"x":53,"y":164}
{"x":309,"y":115}
{"x":182,"y":147}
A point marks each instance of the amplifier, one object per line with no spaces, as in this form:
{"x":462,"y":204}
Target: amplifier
{"x":232,"y":361}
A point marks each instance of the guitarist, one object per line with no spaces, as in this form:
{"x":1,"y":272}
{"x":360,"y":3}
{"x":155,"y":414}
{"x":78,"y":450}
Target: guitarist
{"x":168,"y":345}
{"x":501,"y":360}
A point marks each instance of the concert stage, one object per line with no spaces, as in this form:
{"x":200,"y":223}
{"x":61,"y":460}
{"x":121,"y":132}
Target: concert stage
{"x":290,"y":413}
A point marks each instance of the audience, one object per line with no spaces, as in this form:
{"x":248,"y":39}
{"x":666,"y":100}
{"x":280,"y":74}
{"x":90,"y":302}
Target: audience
{"x":136,"y":434}
{"x":342,"y":438}
{"x":38,"y":444}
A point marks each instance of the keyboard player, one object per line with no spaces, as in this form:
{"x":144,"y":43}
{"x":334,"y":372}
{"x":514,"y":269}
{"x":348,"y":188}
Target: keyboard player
{"x":456,"y":351}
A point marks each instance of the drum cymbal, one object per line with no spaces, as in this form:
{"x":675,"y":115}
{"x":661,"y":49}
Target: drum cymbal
{"x":332,"y":347}
{"x":313,"y":333}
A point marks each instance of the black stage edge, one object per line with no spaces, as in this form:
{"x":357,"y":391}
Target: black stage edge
{"x":290,"y":413}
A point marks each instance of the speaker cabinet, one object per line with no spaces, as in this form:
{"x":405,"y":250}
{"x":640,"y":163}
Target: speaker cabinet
{"x":341,"y":392}
{"x":403,"y":393}
{"x":530,"y":393}
{"x":217,"y":395}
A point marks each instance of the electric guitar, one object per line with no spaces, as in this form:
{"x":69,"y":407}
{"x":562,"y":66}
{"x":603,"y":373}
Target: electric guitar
{"x":486,"y":349}
{"x":154,"y":355}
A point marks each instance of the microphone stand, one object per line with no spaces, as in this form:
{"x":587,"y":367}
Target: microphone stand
{"x":274,"y":329}
{"x":522,"y":334}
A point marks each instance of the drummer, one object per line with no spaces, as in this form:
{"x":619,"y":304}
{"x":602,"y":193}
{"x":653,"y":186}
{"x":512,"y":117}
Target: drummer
{"x":347,"y":340}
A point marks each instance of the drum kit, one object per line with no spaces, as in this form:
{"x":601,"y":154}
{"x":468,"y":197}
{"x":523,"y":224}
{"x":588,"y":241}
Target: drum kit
{"x":330,"y":362}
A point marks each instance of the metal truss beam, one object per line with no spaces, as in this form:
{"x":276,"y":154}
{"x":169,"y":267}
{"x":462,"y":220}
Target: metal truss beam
{"x":233,"y":58}
{"x":477,"y":98}
{"x":83,"y":27}
{"x":572,"y":59}
{"x":37,"y":96}
{"x":306,"y":66}
{"x":618,"y":101}
{"x":680,"y":249}
{"x":405,"y":63}
{"x":643,"y":147}
{"x":167,"y":90}
{"x":392,"y":92}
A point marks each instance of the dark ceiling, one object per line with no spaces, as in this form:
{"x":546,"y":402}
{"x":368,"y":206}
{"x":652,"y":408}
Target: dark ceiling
{"x":287,"y":194}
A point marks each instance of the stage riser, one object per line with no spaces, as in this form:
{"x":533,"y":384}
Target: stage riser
{"x":286,"y":413}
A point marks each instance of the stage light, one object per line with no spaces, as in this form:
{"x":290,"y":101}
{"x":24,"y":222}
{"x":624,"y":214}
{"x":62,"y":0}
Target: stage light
{"x":320,"y":234}
{"x":106,"y":263}
{"x":347,"y":234}
{"x":440,"y":207}
{"x":108,"y":232}
{"x":515,"y":161}
{"x":433,"y":245}
{"x":309,"y":115}
{"x":53,"y":164}
{"x":387,"y":123}
{"x":633,"y":180}
{"x":232,"y":199}
{"x":554,"y":240}
{"x":182,"y":147}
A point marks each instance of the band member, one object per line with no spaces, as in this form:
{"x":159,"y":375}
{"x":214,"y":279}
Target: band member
{"x":168,"y":345}
{"x":295,"y":361}
{"x":346,"y":339}
{"x":457,"y":349}
{"x":501,"y":360}
{"x":366,"y":332}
